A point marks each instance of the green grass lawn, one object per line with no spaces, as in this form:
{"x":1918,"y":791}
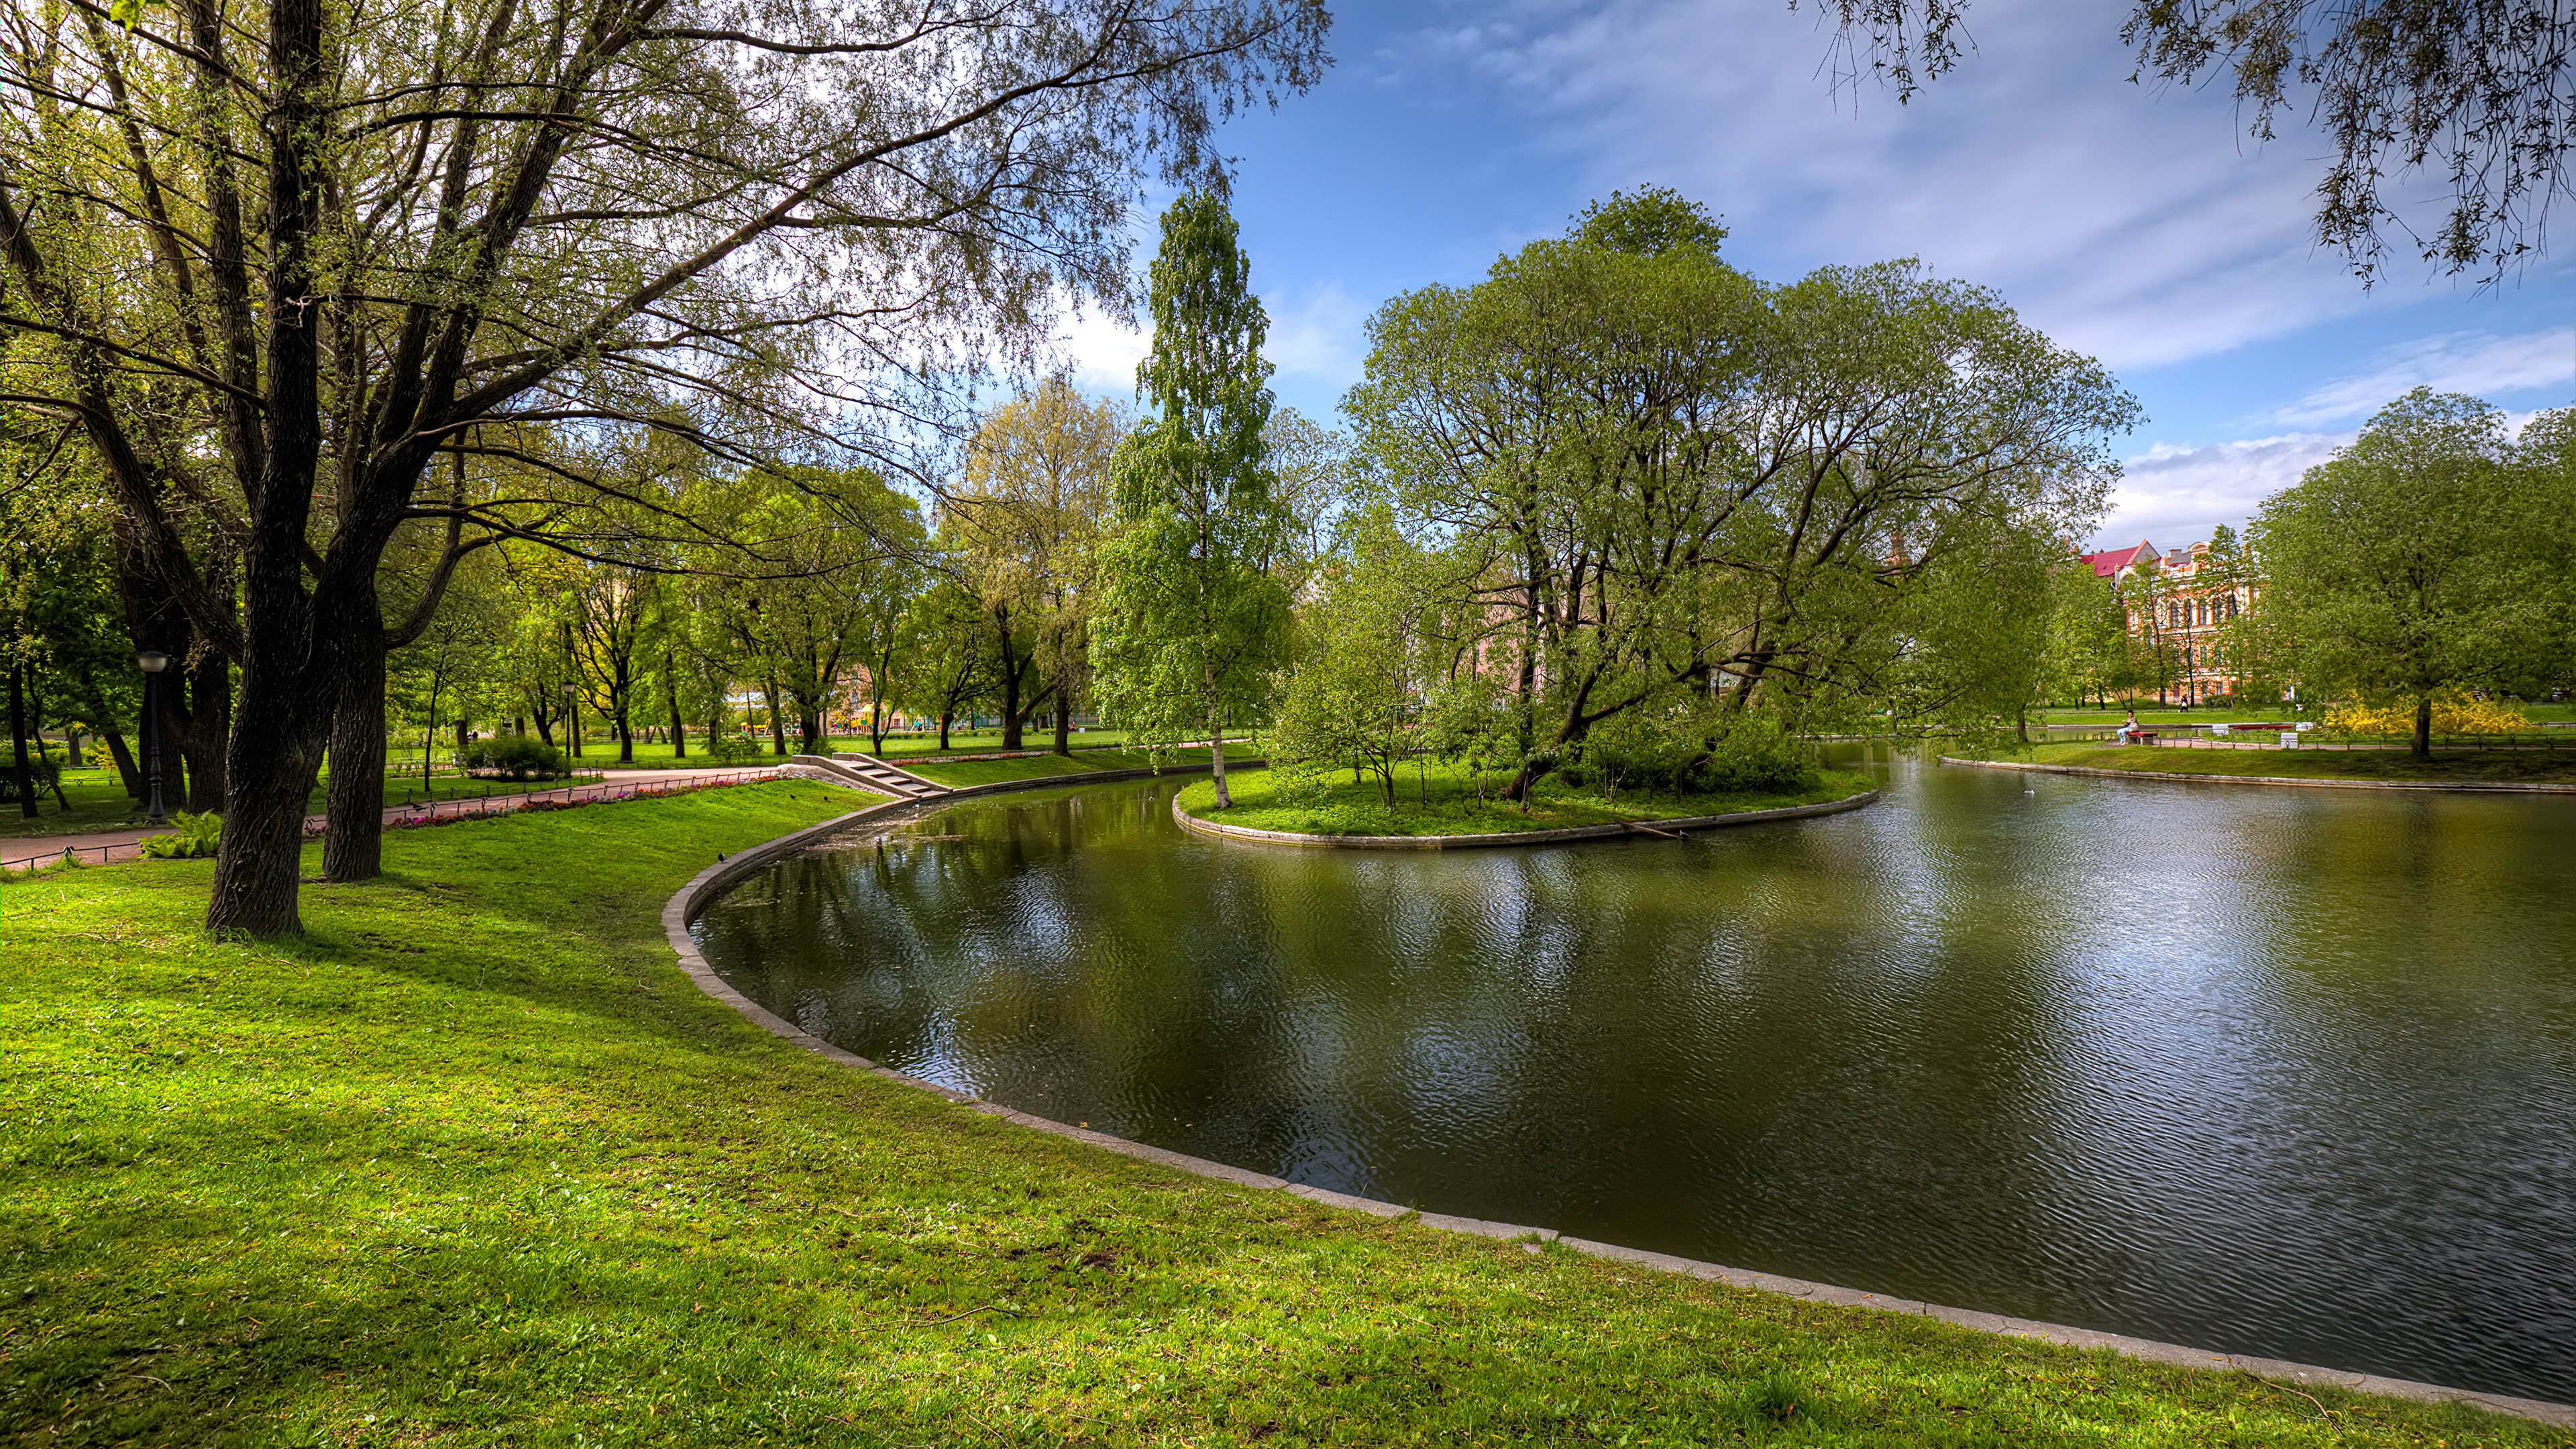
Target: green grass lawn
{"x":1438,"y":799}
{"x":473,"y":1163}
{"x":961,"y":773}
{"x":2536,"y":713}
{"x":2520,"y":766}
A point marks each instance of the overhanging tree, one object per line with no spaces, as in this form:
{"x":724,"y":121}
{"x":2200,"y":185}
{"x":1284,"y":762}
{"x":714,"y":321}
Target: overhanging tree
{"x":2478,"y":96}
{"x":282,"y":256}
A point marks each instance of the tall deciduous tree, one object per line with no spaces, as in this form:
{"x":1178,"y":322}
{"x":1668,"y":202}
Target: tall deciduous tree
{"x":837,"y":553}
{"x":2418,"y":559}
{"x":1677,"y":484}
{"x":1027,"y":523}
{"x":1192,"y":622}
{"x":278,"y":257}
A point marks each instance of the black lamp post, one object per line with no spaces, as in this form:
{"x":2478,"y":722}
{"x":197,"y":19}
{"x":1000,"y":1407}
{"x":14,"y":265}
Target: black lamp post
{"x":152,"y":661}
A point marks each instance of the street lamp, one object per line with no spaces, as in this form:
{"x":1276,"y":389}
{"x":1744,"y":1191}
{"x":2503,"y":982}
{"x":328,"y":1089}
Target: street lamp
{"x":152,"y":662}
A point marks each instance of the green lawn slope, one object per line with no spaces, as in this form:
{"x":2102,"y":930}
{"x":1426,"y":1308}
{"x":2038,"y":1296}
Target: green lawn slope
{"x":475,"y":1164}
{"x":1433,"y":798}
{"x":2514,"y":766}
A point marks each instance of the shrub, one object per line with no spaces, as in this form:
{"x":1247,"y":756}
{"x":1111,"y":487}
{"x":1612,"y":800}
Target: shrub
{"x":732,"y":749}
{"x":2454,"y":713}
{"x":191,"y":837}
{"x":1756,"y":754}
{"x":1759,"y":754}
{"x":41,"y":769}
{"x":514,"y":757}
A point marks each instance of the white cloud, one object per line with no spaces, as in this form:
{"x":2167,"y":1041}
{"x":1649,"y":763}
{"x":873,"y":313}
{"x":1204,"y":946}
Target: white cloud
{"x":1320,"y":335}
{"x":2117,"y":218}
{"x":1104,"y":349}
{"x":2174,"y":495}
{"x":2477,"y":363}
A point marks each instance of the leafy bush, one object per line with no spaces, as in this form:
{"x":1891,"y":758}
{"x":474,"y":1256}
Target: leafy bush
{"x":732,"y":749}
{"x":2454,"y":713}
{"x":1756,"y":754}
{"x":1759,"y":754}
{"x":514,"y":757}
{"x":191,"y":837}
{"x":41,"y":769}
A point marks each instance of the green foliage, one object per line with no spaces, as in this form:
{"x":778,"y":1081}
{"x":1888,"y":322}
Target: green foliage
{"x":191,"y":837}
{"x":43,"y":771}
{"x":1192,"y":621}
{"x":514,"y":757}
{"x":731,"y":748}
{"x":2421,"y":557}
{"x":1758,"y":753}
{"x":1655,"y":220}
{"x":1353,"y":700}
{"x":1668,"y":484}
{"x":2088,"y":656}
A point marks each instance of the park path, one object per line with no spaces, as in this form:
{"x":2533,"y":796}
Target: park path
{"x":99,"y":847}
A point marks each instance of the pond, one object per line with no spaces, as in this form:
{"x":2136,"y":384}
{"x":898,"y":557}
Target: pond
{"x":2284,"y":1072}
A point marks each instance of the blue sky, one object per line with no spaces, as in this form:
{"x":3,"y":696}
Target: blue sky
{"x":2135,"y":223}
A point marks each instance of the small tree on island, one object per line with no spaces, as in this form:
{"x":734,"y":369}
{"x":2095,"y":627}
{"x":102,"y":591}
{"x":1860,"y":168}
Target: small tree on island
{"x":1354,"y":699}
{"x":1192,"y":622}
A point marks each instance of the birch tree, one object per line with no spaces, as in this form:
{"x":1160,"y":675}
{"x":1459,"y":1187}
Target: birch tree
{"x":1193,"y":623}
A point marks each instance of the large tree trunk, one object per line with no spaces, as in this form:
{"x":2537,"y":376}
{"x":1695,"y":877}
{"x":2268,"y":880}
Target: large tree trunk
{"x":1013,"y":671}
{"x":353,"y":833}
{"x":295,"y":649}
{"x":943,"y":732}
{"x":1064,"y":724}
{"x":205,"y":726}
{"x":777,"y":721}
{"x":2423,"y":726}
{"x":270,"y":763}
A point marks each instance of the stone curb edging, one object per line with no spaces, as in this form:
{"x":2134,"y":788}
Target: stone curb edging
{"x":2507,"y":787}
{"x":1625,"y":829}
{"x":685,"y":904}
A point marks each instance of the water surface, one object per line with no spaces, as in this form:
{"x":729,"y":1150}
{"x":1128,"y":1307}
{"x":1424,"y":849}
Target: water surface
{"x":2280,"y":1072}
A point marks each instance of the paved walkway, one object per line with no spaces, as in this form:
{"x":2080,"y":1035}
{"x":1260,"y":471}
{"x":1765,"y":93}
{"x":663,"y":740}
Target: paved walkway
{"x":99,"y":847}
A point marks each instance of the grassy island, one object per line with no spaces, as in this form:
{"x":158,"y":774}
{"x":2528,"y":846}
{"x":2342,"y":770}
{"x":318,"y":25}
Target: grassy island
{"x":2520,"y":767}
{"x":473,"y":1163}
{"x":1437,"y":799}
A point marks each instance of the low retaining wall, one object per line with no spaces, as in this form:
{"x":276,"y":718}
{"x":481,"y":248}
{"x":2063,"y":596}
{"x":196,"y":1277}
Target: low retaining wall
{"x":684,"y":906}
{"x":1626,"y":829}
{"x":2491,"y":786}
